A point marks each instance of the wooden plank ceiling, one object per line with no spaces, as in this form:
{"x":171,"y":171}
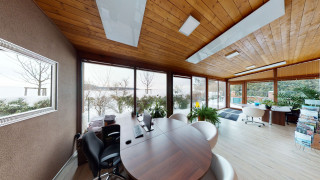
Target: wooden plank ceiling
{"x":294,"y":37}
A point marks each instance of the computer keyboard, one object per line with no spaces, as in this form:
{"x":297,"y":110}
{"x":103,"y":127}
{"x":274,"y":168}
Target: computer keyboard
{"x":137,"y":131}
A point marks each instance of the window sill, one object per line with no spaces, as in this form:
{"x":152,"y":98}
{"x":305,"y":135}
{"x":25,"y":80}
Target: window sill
{"x":6,"y":120}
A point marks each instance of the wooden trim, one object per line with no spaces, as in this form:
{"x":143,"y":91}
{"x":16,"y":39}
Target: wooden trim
{"x":207,"y":92}
{"x":300,"y":77}
{"x":135,"y":91}
{"x":169,"y":94}
{"x":244,"y":92}
{"x":228,"y":94}
{"x":134,"y":63}
{"x":275,"y":85}
{"x":79,"y":100}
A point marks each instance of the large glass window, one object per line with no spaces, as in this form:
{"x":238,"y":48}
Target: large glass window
{"x":213,"y":93}
{"x":151,"y":88}
{"x":107,"y":90}
{"x":293,"y":92}
{"x":235,"y":95}
{"x":27,"y":84}
{"x":259,"y":91}
{"x":222,"y":94}
{"x":181,"y":95}
{"x":198,"y":91}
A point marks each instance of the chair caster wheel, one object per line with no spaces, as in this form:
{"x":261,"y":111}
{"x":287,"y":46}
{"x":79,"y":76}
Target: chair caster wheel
{"x":259,"y":126}
{"x":246,"y":122}
{"x":264,"y":125}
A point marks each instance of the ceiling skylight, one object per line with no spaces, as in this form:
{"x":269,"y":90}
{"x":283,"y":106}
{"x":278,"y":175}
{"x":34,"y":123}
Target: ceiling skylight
{"x":122,"y":19}
{"x":189,"y":26}
{"x":262,"y":68}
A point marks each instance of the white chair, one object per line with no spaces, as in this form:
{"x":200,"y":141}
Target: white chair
{"x":180,"y":117}
{"x":253,"y":113}
{"x":220,"y":169}
{"x":208,"y":130}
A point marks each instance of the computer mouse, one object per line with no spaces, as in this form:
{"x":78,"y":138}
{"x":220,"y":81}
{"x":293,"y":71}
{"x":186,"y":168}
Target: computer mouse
{"x":128,"y":142}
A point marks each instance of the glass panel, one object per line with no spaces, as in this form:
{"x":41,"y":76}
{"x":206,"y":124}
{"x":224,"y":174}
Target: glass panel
{"x":213,"y":94}
{"x":298,"y":90}
{"x":259,"y":91}
{"x":198,"y":91}
{"x":222,"y":94}
{"x":236,"y":96}
{"x":151,"y":87}
{"x":26,"y":83}
{"x":181,"y":95}
{"x":107,"y":90}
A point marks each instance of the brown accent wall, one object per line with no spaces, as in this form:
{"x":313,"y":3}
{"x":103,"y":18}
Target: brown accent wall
{"x":37,"y":148}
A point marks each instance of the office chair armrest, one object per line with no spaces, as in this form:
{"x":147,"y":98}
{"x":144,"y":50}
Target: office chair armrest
{"x":114,"y":134}
{"x":110,"y":156}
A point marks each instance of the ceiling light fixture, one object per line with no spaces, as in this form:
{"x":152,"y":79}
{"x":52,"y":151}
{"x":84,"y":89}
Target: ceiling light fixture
{"x":189,"y":26}
{"x":250,"y":67}
{"x":264,"y":15}
{"x":122,"y":19}
{"x":262,"y":68}
{"x":232,"y":54}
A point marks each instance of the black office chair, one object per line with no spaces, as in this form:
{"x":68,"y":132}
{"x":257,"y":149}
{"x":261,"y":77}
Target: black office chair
{"x":100,"y":157}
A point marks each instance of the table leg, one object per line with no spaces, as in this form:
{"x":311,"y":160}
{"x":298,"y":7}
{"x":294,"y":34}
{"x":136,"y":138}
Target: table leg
{"x":270,"y":117}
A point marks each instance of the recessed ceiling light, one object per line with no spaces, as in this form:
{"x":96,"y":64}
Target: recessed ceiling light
{"x":232,"y":54}
{"x":250,"y":67}
{"x":264,"y":15}
{"x":122,"y":19}
{"x":189,"y":26}
{"x":262,"y":68}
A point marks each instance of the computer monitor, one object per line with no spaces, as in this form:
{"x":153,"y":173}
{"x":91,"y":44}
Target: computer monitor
{"x":147,"y":119}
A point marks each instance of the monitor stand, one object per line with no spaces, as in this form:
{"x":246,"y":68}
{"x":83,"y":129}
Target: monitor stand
{"x":145,"y":128}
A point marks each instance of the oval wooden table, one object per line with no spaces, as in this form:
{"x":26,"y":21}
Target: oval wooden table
{"x":173,"y":150}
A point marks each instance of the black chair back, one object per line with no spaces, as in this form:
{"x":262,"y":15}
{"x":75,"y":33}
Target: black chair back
{"x":111,"y":134}
{"x":92,"y":148}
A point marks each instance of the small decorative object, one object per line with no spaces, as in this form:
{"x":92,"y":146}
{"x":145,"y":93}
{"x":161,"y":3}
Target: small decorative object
{"x":268,"y":103}
{"x":109,"y":119}
{"x":204,"y":114}
{"x":256,"y":103}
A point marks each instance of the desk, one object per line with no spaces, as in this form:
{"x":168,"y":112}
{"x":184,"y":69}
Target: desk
{"x":173,"y":150}
{"x":275,"y":115}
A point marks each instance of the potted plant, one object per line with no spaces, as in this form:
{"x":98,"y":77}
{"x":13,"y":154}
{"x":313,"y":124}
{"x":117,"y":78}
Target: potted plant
{"x":158,"y":111}
{"x":204,"y":114}
{"x":268,"y":103}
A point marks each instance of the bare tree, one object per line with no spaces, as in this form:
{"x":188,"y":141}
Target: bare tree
{"x":101,"y":99}
{"x":35,"y":72}
{"x":146,"y":79}
{"x":121,"y":96}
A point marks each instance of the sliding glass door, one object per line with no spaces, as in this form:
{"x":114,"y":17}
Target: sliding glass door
{"x":181,"y":94}
{"x":236,"y":95}
{"x":213,"y":93}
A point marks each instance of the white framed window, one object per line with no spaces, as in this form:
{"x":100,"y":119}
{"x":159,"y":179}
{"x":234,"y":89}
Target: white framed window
{"x":28,"y":84}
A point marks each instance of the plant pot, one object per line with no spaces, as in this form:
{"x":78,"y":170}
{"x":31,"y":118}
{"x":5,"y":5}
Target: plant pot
{"x":200,"y":118}
{"x":268,"y":107}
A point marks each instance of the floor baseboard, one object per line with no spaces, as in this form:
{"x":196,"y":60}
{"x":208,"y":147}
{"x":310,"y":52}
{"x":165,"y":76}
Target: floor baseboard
{"x":70,"y":160}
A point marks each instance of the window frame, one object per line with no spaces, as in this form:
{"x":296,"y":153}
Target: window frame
{"x":10,"y":119}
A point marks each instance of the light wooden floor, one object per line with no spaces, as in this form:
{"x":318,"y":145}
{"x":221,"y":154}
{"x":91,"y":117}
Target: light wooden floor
{"x":257,"y":153}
